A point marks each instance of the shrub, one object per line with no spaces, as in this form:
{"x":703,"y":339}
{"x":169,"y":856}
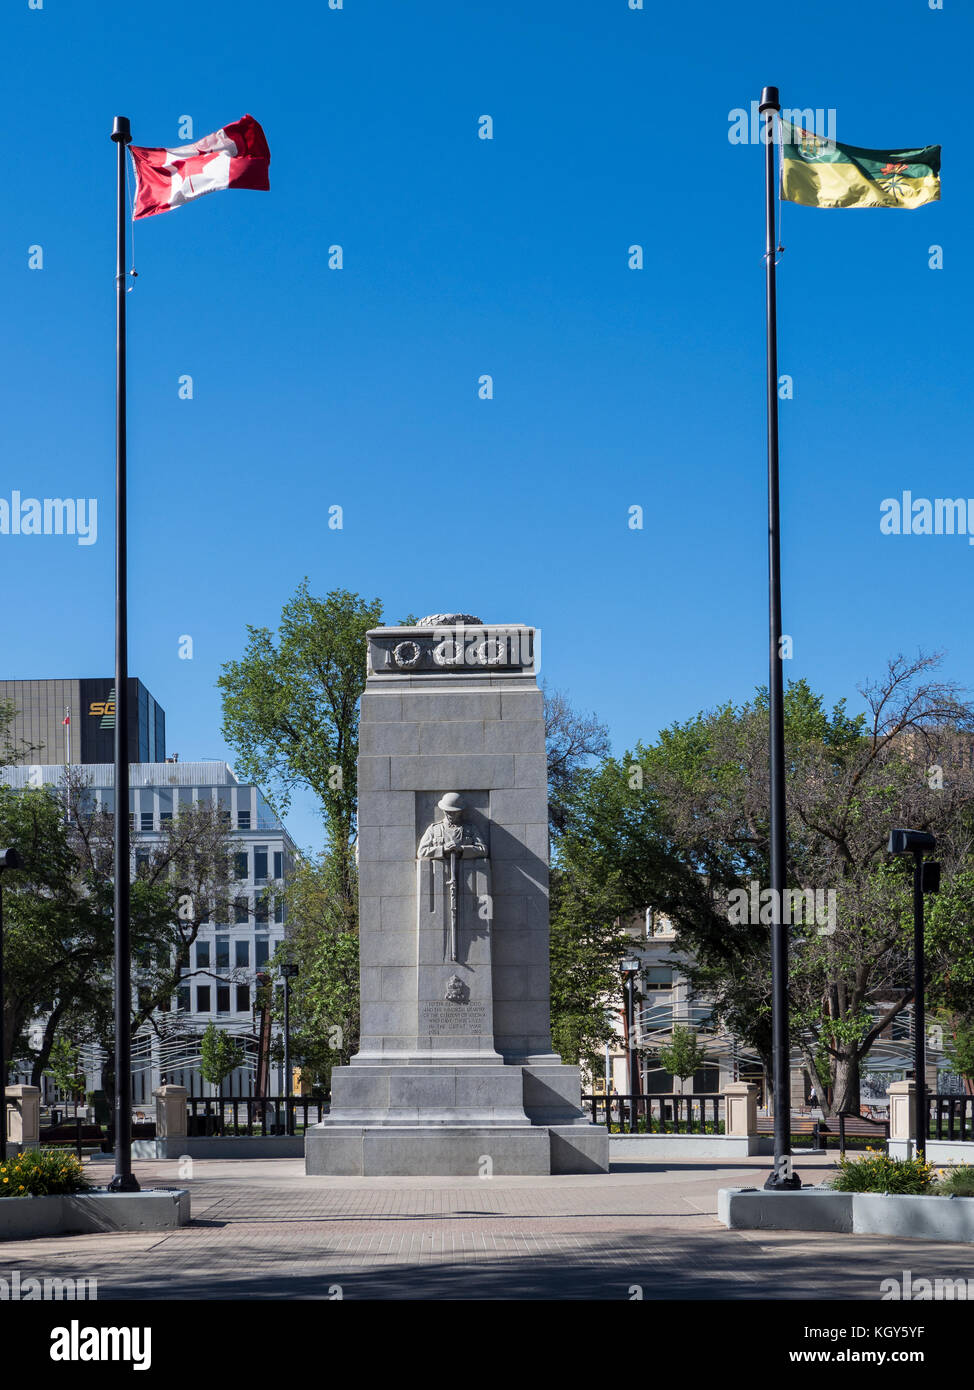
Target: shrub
{"x":876,"y":1172}
{"x":957,"y":1182}
{"x":41,"y":1173}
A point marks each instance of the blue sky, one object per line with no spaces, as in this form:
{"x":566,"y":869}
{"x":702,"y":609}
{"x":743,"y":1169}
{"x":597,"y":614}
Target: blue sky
{"x":612,"y":387}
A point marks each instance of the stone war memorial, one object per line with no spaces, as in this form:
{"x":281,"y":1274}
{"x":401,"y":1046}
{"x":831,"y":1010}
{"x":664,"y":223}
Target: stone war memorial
{"x":455,"y":1074}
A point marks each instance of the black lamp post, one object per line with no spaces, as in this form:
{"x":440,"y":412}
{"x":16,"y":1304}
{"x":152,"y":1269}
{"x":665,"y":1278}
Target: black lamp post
{"x":926,"y":879}
{"x":630,"y":968}
{"x":289,"y":971}
{"x":9,"y":859}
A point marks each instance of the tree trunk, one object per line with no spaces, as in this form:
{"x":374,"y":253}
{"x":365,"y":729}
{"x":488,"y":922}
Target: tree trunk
{"x":845,"y":1090}
{"x":47,"y":1043}
{"x":767,"y":1061}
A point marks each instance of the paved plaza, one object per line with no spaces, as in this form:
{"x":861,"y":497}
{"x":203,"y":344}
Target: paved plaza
{"x":263,"y":1230}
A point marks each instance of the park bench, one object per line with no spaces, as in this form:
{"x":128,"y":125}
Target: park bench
{"x":856,"y":1125}
{"x":69,"y":1134}
{"x":800,"y":1124}
{"x":821,"y":1130}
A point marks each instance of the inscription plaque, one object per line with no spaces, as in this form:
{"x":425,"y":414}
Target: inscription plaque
{"x":439,"y":1016}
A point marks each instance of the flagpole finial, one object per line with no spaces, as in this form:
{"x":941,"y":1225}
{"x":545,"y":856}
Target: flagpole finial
{"x":121,"y":131}
{"x":769,"y":100}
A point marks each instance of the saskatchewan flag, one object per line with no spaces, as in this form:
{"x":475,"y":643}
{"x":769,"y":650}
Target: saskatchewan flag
{"x":824,"y":174}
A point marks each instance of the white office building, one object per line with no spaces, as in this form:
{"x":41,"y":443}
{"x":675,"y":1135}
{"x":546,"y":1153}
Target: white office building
{"x":226,"y":956}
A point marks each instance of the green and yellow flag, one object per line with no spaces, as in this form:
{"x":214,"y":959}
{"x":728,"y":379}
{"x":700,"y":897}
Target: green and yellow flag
{"x":822,"y":173}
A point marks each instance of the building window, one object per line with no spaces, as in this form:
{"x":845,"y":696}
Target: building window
{"x":141,"y":863}
{"x":657,"y":1082}
{"x":147,"y":821}
{"x":202,"y":955}
{"x":223,"y":999}
{"x":243,"y":999}
{"x":260,"y":863}
{"x":658,"y":977}
{"x":164,"y":816}
{"x":223,"y":953}
{"x":241,"y":954}
{"x":261,"y":951}
{"x":279,"y":906}
{"x":278,"y":864}
{"x":182,"y":999}
{"x":706,"y":1079}
{"x":202,"y":999}
{"x":261,"y":910}
{"x":240,"y":865}
{"x":243,"y":820}
{"x":241,"y":912}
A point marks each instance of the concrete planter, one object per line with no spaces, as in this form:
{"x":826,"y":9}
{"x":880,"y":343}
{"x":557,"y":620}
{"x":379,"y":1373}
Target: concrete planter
{"x":221,"y":1146}
{"x":90,"y":1212}
{"x":861,"y":1213}
{"x":636,"y":1146}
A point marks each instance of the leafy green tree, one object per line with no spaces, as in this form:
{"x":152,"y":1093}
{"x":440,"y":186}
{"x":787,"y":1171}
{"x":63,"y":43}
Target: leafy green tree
{"x":290,"y":708}
{"x":220,"y":1054}
{"x":572,"y":741}
{"x":682,"y":1056}
{"x":584,"y":983}
{"x":960,"y":1048}
{"x":322,"y":941}
{"x":59,"y":916}
{"x":681,"y":824}
{"x":12,"y":750}
{"x":52,"y":942}
{"x":586,"y":944}
{"x":64,"y":1067}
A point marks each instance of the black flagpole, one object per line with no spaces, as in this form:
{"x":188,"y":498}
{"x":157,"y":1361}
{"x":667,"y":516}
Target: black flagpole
{"x":124,"y":1179}
{"x":782,"y":1176}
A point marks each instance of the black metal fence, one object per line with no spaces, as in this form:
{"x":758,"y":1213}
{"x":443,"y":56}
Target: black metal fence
{"x":659,"y":1114}
{"x":950,"y":1117}
{"x":252,"y":1114}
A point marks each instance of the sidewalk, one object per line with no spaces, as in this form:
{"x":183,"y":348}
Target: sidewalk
{"x":262,"y":1230}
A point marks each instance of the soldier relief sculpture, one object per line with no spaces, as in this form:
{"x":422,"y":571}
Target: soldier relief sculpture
{"x":448,"y":843}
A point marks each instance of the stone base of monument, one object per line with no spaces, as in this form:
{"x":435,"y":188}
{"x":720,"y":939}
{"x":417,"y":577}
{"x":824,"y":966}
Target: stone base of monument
{"x":387,"y":1151}
{"x":455,"y":1121}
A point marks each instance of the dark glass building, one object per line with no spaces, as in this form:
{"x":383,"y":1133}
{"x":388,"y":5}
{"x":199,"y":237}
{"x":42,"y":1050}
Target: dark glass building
{"x":42,"y":707}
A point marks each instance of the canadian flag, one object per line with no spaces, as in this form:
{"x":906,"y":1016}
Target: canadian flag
{"x":235,"y":157}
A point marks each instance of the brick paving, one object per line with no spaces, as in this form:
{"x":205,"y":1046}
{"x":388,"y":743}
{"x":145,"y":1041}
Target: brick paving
{"x":261,"y":1229}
